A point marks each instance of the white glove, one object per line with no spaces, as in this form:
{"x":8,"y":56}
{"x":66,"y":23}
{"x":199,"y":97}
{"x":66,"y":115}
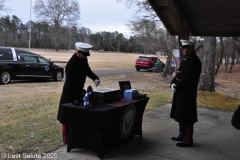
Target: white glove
{"x":97,"y":82}
{"x":172,"y":87}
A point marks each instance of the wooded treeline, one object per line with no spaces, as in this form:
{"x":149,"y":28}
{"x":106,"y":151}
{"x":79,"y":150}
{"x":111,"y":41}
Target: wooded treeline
{"x":148,"y":38}
{"x":16,"y":34}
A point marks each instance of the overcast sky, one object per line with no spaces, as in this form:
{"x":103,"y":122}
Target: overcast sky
{"x":97,"y":15}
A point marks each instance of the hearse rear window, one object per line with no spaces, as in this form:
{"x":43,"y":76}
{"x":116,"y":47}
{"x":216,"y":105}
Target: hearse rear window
{"x":6,"y":54}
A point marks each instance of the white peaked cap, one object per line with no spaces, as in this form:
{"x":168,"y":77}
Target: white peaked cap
{"x":187,"y":42}
{"x":84,"y":47}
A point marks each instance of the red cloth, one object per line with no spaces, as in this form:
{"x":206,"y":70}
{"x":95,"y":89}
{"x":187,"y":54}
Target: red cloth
{"x":64,"y":133}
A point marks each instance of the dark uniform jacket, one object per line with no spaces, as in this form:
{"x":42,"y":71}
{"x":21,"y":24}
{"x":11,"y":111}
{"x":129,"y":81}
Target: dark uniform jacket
{"x":76,"y":72}
{"x":184,"y":105}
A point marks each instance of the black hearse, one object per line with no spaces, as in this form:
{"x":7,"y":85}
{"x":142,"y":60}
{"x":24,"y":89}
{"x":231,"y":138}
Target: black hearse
{"x":20,"y":64}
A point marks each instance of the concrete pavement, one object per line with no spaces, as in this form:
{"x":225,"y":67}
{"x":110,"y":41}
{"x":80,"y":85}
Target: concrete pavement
{"x":214,"y":139}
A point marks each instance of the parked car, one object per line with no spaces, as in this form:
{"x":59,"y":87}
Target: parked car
{"x":147,"y":62}
{"x":101,"y":51}
{"x":20,"y":64}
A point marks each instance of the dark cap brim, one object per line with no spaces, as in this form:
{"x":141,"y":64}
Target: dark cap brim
{"x":184,"y":46}
{"x":86,"y":53}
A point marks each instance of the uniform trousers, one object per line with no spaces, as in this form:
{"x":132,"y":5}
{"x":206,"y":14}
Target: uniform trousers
{"x":186,"y":133}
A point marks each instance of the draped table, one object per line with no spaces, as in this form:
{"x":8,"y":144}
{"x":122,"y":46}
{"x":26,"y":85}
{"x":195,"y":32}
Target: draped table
{"x":104,"y":126}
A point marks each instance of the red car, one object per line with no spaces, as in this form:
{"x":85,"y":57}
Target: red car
{"x":147,"y":62}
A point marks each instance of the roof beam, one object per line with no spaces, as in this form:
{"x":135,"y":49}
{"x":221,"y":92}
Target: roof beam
{"x":181,"y":20}
{"x":160,"y":15}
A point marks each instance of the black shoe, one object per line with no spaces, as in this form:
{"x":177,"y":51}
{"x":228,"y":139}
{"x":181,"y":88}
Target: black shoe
{"x":184,"y":145}
{"x":176,"y":139}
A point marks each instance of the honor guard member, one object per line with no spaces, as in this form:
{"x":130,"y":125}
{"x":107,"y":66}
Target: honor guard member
{"x":184,"y":85}
{"x":77,"y":69}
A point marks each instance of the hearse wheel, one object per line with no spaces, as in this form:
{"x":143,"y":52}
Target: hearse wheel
{"x":5,"y":77}
{"x":58,"y":76}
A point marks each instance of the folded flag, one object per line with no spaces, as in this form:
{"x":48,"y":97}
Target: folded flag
{"x":88,"y":99}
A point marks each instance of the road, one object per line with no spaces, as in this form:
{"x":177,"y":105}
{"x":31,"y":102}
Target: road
{"x":97,"y":72}
{"x":113,"y":72}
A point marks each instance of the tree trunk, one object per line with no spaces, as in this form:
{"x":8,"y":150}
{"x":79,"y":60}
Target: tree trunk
{"x":168,"y":66}
{"x":199,"y":49}
{"x":226,"y":63}
{"x":237,"y":58}
{"x":57,"y":36}
{"x":208,"y":65}
{"x":168,"y":69}
{"x":221,"y":56}
{"x":233,"y":54}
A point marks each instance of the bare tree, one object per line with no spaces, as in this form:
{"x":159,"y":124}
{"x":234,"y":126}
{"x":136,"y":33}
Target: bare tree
{"x":83,"y":34}
{"x":129,"y":3}
{"x":199,"y":49}
{"x":221,"y":55}
{"x":238,"y":50}
{"x":145,"y":30}
{"x":143,"y":7}
{"x":119,"y":40}
{"x":208,"y":65}
{"x":2,"y":6}
{"x":15,"y":27}
{"x":57,"y":12}
{"x":234,"y":51}
{"x":147,"y":25}
{"x":169,"y":44}
{"x":228,"y":48}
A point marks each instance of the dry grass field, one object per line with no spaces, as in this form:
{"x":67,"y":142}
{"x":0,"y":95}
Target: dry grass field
{"x":97,"y":61}
{"x":28,"y":109}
